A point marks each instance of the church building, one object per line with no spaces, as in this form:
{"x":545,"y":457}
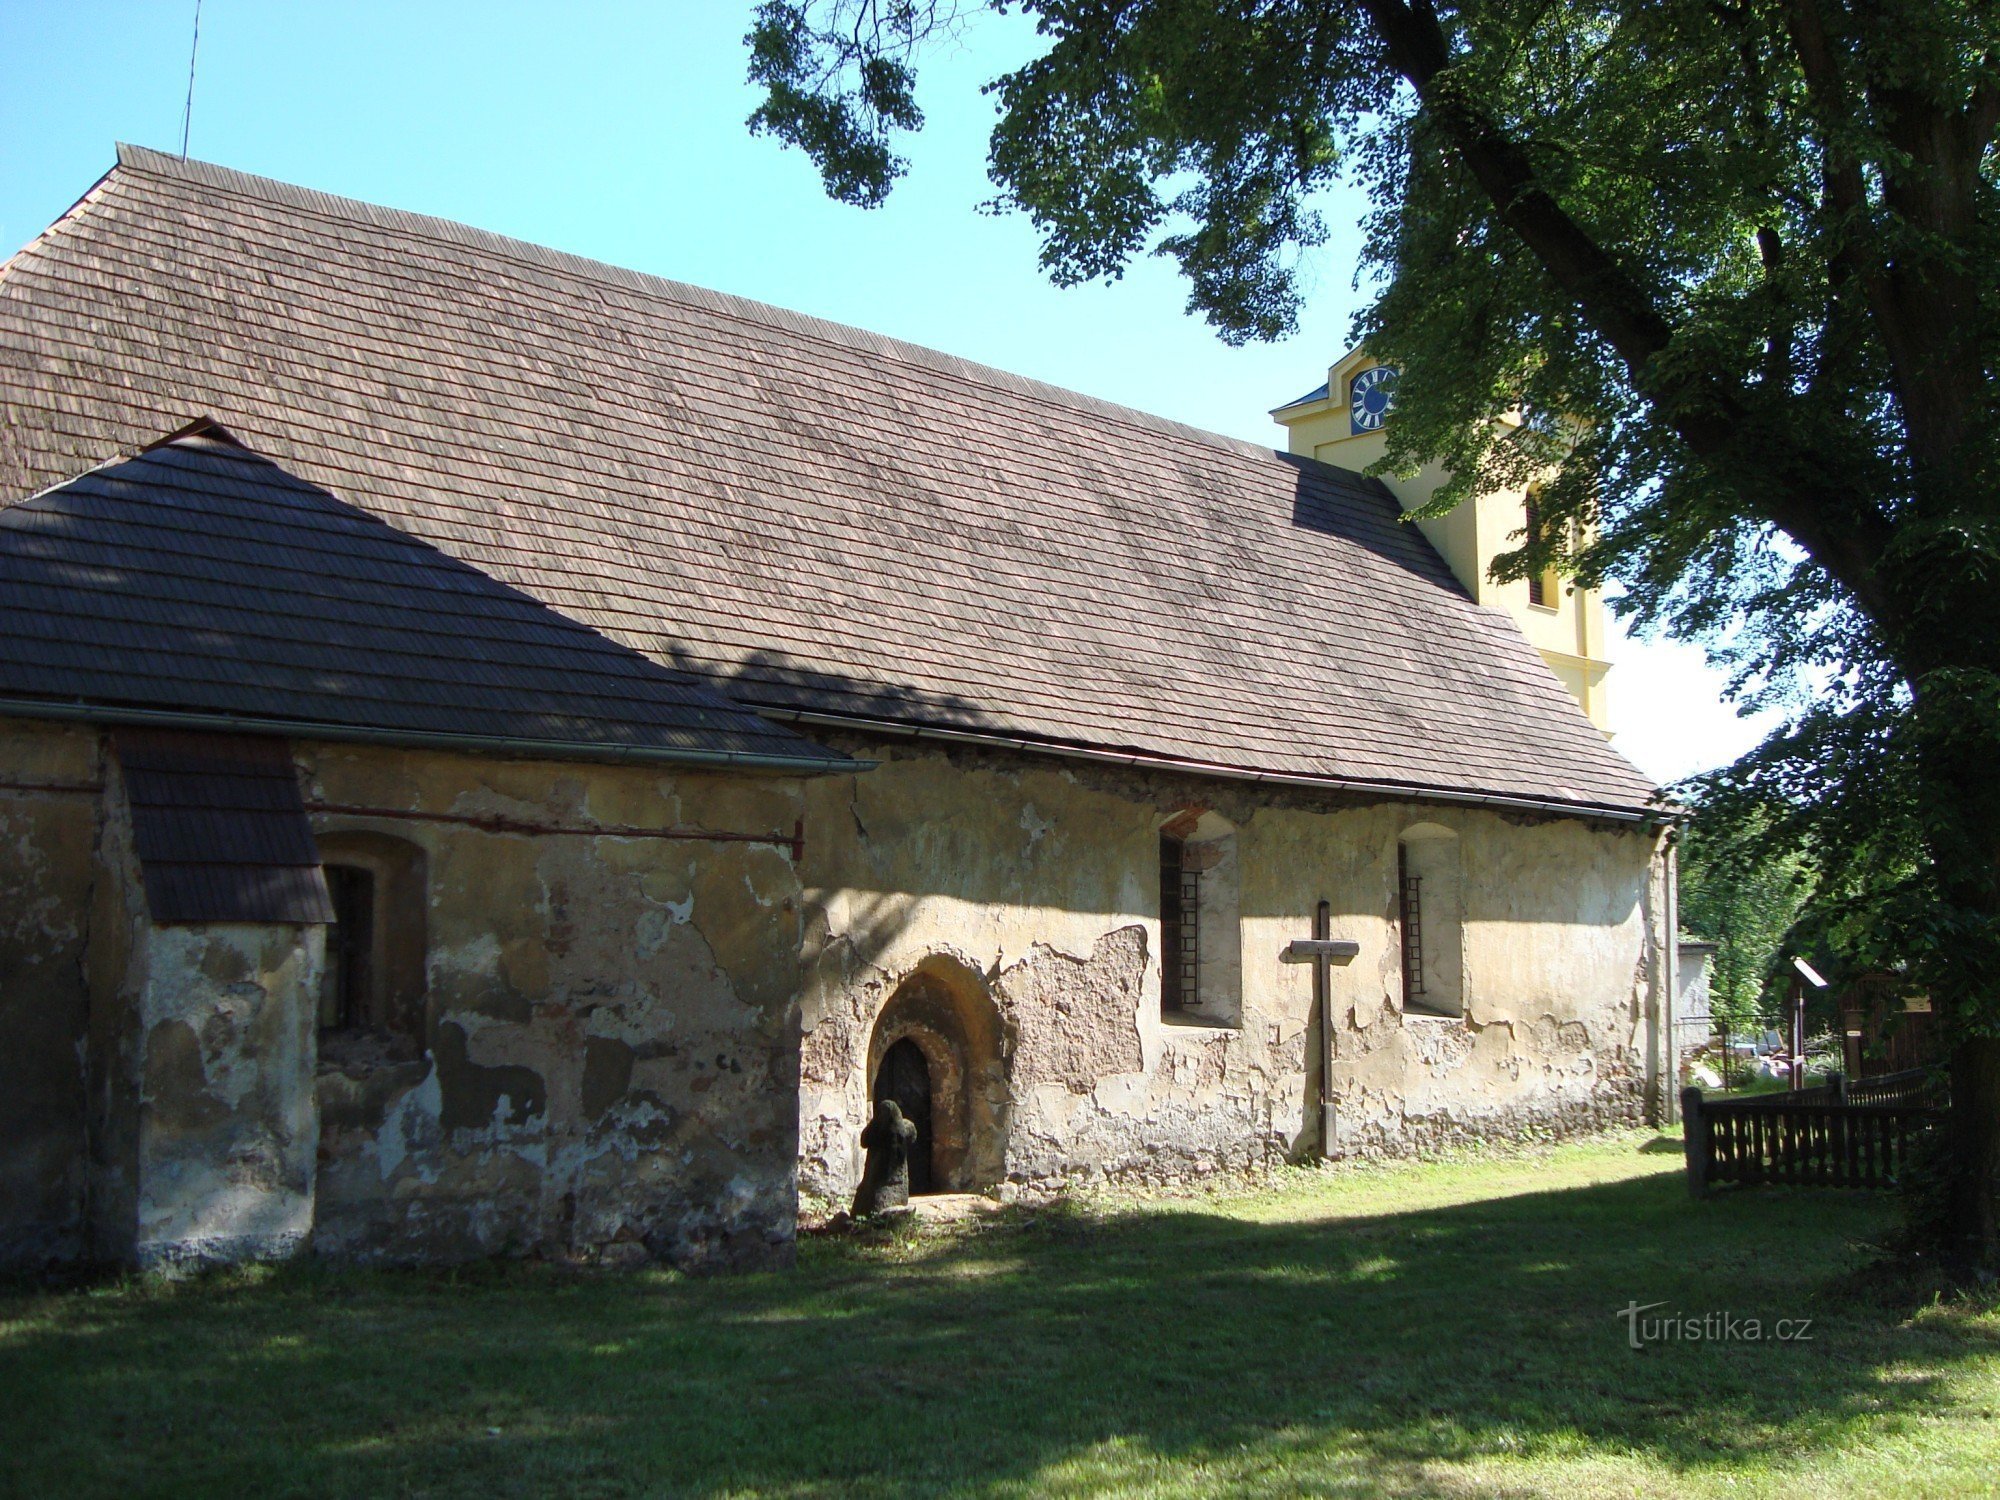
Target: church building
{"x":501,"y":754}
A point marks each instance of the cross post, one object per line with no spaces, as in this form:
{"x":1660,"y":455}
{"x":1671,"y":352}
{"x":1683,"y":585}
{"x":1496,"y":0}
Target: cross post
{"x":1322,"y":951}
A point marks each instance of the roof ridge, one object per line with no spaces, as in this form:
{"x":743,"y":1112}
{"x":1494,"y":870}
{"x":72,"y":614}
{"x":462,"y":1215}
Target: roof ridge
{"x":451,"y":231}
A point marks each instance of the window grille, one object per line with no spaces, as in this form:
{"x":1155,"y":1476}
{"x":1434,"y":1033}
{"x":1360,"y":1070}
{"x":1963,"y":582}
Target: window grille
{"x":345,"y":980}
{"x":1413,"y":927}
{"x":1180,"y":922}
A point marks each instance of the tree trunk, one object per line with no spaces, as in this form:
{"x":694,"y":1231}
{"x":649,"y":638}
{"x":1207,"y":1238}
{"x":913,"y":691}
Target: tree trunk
{"x":1972,"y":1203}
{"x":1958,"y":741}
{"x":1930,"y":605}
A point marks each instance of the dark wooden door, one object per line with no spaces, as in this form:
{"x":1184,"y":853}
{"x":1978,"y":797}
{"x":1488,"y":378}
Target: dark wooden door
{"x":905,"y":1077}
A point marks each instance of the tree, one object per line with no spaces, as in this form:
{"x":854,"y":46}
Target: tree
{"x":1745,"y":897}
{"x":1735,"y":254}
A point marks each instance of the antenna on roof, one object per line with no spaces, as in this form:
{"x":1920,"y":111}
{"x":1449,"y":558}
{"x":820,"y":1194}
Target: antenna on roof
{"x":187,"y":115}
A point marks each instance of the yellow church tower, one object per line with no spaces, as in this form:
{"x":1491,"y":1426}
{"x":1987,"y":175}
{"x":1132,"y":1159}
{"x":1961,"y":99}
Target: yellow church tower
{"x":1344,"y":422}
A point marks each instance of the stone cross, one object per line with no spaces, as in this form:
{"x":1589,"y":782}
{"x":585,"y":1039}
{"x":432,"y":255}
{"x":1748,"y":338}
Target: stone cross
{"x":885,"y":1177}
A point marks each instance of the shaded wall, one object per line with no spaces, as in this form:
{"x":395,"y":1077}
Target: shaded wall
{"x":47,"y":839}
{"x":601,"y":1064}
{"x":1039,"y":881}
{"x":608,"y":1066}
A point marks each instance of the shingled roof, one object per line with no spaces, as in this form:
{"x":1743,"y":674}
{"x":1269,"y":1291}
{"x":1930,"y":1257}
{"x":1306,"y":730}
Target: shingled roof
{"x":816,"y":519}
{"x":201,"y":583}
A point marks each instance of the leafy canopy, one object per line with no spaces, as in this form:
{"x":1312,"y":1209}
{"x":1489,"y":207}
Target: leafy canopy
{"x":1733,"y":257}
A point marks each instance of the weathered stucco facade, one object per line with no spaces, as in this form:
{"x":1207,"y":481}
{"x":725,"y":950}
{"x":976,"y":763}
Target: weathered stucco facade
{"x":611,"y":1020}
{"x":1005,"y":910}
{"x":600,"y":1060}
{"x":48,"y":834}
{"x":451,"y":866}
{"x":646,"y":1042}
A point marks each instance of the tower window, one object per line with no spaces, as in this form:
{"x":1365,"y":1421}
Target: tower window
{"x":1542,"y":585}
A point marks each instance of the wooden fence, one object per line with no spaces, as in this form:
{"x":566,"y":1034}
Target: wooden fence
{"x":1832,"y":1135}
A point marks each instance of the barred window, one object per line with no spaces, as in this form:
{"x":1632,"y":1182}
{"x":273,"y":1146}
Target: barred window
{"x":1430,"y":916}
{"x":1412,"y":889}
{"x":345,"y":981}
{"x":373,"y":977}
{"x":1201,"y":939}
{"x":1180,"y":927}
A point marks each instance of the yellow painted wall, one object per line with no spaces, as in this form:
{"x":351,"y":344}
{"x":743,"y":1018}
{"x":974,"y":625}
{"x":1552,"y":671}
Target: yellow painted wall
{"x":1569,"y":632}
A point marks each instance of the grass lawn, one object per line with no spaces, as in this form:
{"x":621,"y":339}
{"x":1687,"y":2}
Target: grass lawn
{"x":1447,"y":1328}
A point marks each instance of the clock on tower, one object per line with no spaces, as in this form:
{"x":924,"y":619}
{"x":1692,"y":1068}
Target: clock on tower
{"x":1370,"y":396}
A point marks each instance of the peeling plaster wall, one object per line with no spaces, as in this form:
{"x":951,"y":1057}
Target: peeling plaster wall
{"x":611,"y":1024}
{"x":607,"y":1065}
{"x":46,"y":848}
{"x":202,"y":1124}
{"x":1037,"y":883}
{"x":227,"y":1125}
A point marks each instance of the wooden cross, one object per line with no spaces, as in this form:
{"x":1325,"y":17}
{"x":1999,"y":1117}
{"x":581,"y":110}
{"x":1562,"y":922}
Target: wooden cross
{"x":1322,"y":951}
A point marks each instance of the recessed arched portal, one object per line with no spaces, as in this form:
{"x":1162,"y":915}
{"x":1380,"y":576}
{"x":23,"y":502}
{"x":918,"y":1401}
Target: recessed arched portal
{"x":904,"y":1076}
{"x":937,"y":1051}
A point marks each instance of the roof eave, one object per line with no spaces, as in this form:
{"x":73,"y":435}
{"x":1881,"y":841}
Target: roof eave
{"x":826,"y":763}
{"x":1411,"y":791}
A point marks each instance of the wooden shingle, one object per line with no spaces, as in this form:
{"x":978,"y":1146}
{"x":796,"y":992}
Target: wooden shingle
{"x":810,"y":517}
{"x":199,"y":578}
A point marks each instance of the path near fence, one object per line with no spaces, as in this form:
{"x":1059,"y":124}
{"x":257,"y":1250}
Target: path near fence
{"x":1831,"y":1135}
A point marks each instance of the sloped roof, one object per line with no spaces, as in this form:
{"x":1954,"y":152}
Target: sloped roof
{"x":201,"y":579}
{"x":816,"y":518}
{"x":220,"y":828}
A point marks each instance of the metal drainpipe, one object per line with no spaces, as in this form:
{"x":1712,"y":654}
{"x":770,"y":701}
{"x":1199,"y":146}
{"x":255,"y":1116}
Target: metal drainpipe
{"x":1670,"y":1004}
{"x":559,"y":750}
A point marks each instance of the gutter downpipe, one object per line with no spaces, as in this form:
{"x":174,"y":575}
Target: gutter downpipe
{"x":1670,"y":1109}
{"x":162,"y":718}
{"x":1136,"y":758}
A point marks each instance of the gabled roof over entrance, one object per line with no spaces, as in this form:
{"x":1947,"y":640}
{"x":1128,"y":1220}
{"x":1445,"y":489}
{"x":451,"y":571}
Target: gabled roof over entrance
{"x":816,"y":519}
{"x":199,"y":583}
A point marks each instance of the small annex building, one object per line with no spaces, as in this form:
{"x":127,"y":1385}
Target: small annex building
{"x":503,"y":754}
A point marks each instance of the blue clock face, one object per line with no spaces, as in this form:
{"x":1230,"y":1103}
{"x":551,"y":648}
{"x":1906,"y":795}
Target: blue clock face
{"x":1371,"y":396}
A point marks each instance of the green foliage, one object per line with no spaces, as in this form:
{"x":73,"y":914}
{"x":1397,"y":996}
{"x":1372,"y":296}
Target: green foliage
{"x":838,"y":90}
{"x":1736,"y":255}
{"x":1743,"y":895}
{"x":1733,"y":260}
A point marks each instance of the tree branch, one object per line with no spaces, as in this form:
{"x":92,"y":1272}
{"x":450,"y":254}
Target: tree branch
{"x":1827,"y":514}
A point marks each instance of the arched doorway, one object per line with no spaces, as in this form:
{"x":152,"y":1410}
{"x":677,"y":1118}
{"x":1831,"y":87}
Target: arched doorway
{"x":904,"y":1076}
{"x":937,"y":1050}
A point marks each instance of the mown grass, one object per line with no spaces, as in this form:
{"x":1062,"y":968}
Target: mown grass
{"x":1447,"y":1328}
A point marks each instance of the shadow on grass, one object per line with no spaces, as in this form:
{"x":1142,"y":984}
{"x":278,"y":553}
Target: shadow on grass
{"x":1177,"y":1349}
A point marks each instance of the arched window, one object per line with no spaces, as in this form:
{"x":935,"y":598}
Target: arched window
{"x":1544,"y":587}
{"x":374,"y":977}
{"x":1431,"y":921}
{"x":1201,"y":946}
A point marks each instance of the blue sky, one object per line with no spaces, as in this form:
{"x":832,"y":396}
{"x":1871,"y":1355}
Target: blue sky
{"x":615,"y":130}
